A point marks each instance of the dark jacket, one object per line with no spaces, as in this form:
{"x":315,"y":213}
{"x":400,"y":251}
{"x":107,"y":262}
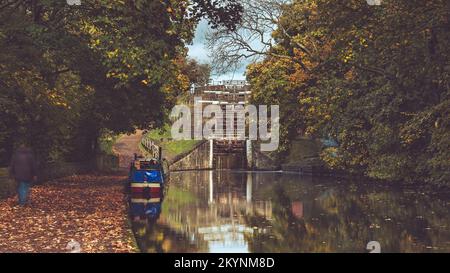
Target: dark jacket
{"x":23,"y":165}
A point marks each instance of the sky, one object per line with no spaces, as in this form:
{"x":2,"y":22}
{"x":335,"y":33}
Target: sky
{"x":199,"y":52}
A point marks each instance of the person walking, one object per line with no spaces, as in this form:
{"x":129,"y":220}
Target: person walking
{"x":23,"y":169}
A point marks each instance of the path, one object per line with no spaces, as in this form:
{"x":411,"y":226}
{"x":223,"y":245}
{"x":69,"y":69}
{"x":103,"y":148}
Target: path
{"x":126,"y":146}
{"x":89,"y":209}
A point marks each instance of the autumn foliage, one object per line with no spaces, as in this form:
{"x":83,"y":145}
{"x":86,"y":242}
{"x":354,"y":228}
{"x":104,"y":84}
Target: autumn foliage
{"x":374,"y":79}
{"x":90,"y":210}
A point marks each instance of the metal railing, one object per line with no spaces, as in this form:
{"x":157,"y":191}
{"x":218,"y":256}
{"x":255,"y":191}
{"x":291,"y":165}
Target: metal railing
{"x":151,"y":148}
{"x":232,"y":86}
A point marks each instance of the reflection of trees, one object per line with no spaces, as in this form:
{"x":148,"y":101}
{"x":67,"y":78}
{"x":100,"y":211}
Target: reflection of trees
{"x":210,"y":208}
{"x":288,"y":214}
{"x":339,"y":220}
{"x":162,"y":236}
{"x":158,"y":238}
{"x":284,"y":231}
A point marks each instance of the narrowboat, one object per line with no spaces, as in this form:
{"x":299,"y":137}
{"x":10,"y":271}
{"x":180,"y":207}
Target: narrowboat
{"x":146,"y":188}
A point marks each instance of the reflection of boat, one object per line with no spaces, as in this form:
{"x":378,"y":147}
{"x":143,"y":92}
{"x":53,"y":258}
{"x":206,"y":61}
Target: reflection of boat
{"x":146,"y":186}
{"x":145,"y":209}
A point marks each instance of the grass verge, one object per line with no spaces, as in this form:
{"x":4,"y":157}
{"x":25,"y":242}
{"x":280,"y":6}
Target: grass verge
{"x":171,"y":148}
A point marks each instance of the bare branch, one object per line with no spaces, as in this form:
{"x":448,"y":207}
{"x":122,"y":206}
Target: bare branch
{"x":251,"y":40}
{"x":9,"y":3}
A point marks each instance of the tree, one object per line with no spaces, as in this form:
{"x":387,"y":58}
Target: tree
{"x":375,"y":79}
{"x":70,"y":72}
{"x":197,"y":73}
{"x":251,"y":40}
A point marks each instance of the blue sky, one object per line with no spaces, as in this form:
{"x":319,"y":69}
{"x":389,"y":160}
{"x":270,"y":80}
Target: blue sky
{"x":199,"y":52}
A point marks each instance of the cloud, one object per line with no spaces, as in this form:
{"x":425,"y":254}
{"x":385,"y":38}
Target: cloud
{"x":199,"y":52}
{"x":237,"y":75}
{"x":198,"y":49}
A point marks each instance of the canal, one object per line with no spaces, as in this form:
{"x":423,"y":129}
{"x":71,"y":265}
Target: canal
{"x":274,"y":212}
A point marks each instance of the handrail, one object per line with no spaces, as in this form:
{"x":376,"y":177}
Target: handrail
{"x":151,"y":148}
{"x":155,"y":151}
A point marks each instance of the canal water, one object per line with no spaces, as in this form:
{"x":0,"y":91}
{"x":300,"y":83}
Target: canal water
{"x":243,"y":212}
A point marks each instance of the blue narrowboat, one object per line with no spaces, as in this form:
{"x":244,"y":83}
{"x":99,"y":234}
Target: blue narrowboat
{"x":146,"y":182}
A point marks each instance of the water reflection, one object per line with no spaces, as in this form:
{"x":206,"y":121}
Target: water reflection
{"x":270,"y":212}
{"x":146,"y":208}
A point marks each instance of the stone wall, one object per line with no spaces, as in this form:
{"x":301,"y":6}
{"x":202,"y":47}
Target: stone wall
{"x":263,"y":162}
{"x":102,"y":163}
{"x":197,"y":159}
{"x":7,"y":185}
{"x":107,"y":163}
